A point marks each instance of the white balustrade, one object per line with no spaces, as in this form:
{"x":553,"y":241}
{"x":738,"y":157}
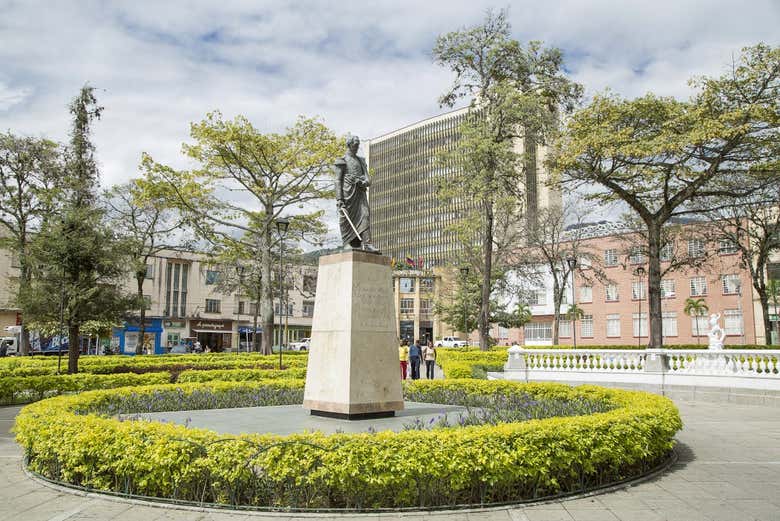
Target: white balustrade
{"x":728,"y":367}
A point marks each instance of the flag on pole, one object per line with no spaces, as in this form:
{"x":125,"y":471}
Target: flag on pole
{"x":410,"y":262}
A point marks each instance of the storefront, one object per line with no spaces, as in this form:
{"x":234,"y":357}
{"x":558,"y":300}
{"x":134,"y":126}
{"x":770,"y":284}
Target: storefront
{"x":246,"y":337}
{"x":176,"y":333}
{"x":215,"y":334}
{"x":128,"y":336}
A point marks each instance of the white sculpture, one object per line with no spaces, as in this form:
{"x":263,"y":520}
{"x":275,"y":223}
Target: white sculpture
{"x":716,"y":334}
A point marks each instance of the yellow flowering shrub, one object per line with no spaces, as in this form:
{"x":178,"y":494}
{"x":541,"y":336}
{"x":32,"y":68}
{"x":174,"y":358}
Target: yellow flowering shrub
{"x":73,"y":438}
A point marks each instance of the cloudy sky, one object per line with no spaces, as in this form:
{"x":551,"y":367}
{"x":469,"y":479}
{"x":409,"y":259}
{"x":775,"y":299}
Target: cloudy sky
{"x":363,"y":67}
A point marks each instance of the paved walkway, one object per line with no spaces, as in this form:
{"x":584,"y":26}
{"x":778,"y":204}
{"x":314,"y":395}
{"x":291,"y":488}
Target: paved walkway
{"x":729,"y":470}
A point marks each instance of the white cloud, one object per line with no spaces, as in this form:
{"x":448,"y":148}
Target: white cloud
{"x":365,"y":67}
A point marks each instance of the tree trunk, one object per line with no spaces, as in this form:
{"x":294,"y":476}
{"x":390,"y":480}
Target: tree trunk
{"x":654,"y":287}
{"x":73,"y":349}
{"x":267,"y":297}
{"x":484,"y":305}
{"x":24,"y":281}
{"x":556,"y":311}
{"x":139,"y":347}
{"x":763,"y":298}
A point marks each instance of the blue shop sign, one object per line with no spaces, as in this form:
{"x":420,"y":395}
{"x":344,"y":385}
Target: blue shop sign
{"x":128,"y":336}
{"x":244,"y":330}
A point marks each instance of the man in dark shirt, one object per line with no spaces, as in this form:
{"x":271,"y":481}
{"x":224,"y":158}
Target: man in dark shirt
{"x":415,"y":355}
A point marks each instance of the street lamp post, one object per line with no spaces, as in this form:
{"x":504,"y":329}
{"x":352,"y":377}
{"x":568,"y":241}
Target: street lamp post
{"x":240,"y":273}
{"x":464,"y":272}
{"x":281,"y":228}
{"x":571,"y":261}
{"x":640,"y":272}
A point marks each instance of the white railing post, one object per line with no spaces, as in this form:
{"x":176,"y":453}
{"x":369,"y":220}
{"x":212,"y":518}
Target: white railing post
{"x":656,"y":361}
{"x":515,"y":364}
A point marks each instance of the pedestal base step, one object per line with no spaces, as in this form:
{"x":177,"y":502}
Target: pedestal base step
{"x":353,"y":416}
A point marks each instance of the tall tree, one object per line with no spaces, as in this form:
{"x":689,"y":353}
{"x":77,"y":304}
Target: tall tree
{"x":557,"y":239}
{"x":751,"y":227}
{"x":139,"y":212}
{"x":29,"y":168}
{"x":75,"y":256}
{"x":274,"y":175}
{"x":659,"y":154}
{"x":516,"y":94}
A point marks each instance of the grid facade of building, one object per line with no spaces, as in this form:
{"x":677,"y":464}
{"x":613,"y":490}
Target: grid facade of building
{"x":407,"y":218}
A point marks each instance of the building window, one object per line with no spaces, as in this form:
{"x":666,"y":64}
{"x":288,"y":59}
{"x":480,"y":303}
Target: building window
{"x":407,"y":285}
{"x":731,"y":284}
{"x":310,"y":284}
{"x":252,"y":308}
{"x":698,"y":286}
{"x":667,"y":252}
{"x":212,"y":277}
{"x":289,"y":309}
{"x":586,"y":326}
{"x":667,"y":288}
{"x":611,"y":293}
{"x":726,"y":246}
{"x":538,"y":297}
{"x":564,"y":328}
{"x":426,"y":306}
{"x":15,"y":262}
{"x":176,"y":289}
{"x":640,"y":324}
{"x":538,"y":331}
{"x":308,"y":308}
{"x":584,"y":263}
{"x":586,"y":294}
{"x":613,"y":325}
{"x":212,"y":305}
{"x":407,"y":305}
{"x":636,"y":256}
{"x":426,"y":284}
{"x":147,"y":302}
{"x":699,"y":325}
{"x":149,"y":271}
{"x":241,"y":307}
{"x":732,"y":322}
{"x":638,"y":290}
{"x":669,"y":323}
{"x":695,"y":248}
{"x":610,"y":257}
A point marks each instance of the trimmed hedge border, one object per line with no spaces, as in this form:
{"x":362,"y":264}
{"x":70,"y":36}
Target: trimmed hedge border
{"x":63,"y":441}
{"x":24,"y":389}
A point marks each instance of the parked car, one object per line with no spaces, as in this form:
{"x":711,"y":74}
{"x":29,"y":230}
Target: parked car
{"x":300,"y":345}
{"x":11,"y":345}
{"x":451,"y":341}
{"x":179,"y":350}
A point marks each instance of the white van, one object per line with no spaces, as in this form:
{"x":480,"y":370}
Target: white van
{"x":11,"y":344}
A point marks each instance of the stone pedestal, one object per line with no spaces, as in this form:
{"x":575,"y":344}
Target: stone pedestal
{"x":353,"y":369}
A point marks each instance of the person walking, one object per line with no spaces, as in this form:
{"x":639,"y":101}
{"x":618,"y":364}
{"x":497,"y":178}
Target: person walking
{"x":403,"y":355}
{"x":429,"y":354}
{"x":415,"y":354}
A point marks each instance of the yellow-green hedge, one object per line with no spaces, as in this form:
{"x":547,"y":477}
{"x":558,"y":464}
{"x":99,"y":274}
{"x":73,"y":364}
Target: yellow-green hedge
{"x":414,"y":468}
{"x":34,"y":366}
{"x":16,"y":389}
{"x":239,"y":375}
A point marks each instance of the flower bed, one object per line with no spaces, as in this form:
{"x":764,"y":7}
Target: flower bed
{"x":78,"y":439}
{"x":239,"y":375}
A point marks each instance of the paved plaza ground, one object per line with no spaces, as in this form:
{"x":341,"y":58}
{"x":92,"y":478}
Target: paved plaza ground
{"x":729,"y":470}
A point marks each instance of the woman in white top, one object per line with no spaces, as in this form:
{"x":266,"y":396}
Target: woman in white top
{"x":429,"y":355}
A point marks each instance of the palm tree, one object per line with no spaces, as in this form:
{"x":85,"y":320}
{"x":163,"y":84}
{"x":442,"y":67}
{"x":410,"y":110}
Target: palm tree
{"x":523,"y":314}
{"x":696,"y":308}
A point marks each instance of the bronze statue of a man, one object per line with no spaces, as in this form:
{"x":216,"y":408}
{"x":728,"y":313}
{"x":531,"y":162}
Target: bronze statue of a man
{"x":352,"y":198}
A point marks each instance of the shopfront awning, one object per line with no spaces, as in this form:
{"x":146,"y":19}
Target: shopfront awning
{"x":210,"y":331}
{"x":248,"y":329}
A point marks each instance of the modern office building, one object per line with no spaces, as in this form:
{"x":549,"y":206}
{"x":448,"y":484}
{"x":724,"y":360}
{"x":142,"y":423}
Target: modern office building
{"x":407,"y":218}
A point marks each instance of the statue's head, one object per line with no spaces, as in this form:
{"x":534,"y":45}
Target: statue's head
{"x":353,"y":143}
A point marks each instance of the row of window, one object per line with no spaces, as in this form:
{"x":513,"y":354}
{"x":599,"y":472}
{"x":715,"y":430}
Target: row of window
{"x":406,"y":284}
{"x":696,"y":248}
{"x":426,"y":306}
{"x":542,"y":331}
{"x":730,"y":285}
